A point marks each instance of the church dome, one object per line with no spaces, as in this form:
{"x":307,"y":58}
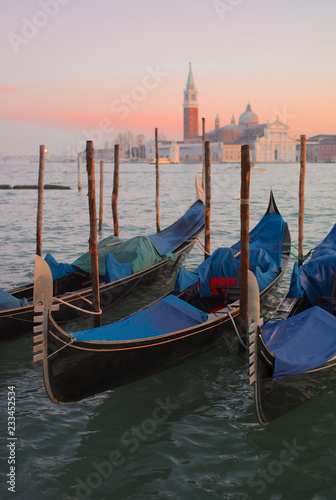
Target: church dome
{"x":248,"y":117}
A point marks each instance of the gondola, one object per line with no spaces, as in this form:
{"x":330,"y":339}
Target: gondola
{"x":127,"y":269}
{"x":293,"y":356}
{"x":194,"y":318}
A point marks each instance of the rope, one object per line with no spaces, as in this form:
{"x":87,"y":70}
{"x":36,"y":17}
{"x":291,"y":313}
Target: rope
{"x":308,"y":254}
{"x":79,"y":308}
{"x":305,"y":257}
{"x":71,"y":341}
{"x":293,"y":255}
{"x":236,"y":330}
{"x":83,"y":298}
{"x":290,"y":245}
{"x":201,"y":246}
{"x":21,"y":319}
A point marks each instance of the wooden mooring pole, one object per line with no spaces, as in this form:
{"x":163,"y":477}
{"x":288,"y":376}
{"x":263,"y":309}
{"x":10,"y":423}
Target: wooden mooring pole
{"x":93,"y":230}
{"x":101,"y":196}
{"x":115,"y":192}
{"x":244,"y":237}
{"x":302,"y":194}
{"x":207,"y":209}
{"x":157,"y":170}
{"x":79,"y":163}
{"x":203,"y":147}
{"x":40,"y":203}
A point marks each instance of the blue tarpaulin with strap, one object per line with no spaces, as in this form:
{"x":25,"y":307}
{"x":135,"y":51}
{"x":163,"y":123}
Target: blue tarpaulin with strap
{"x":265,"y":258}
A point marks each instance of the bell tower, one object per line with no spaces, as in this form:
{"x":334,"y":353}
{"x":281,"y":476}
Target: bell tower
{"x":190,"y":109}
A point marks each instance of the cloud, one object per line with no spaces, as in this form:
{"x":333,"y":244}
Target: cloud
{"x":137,"y":122}
{"x":66,"y":120}
{"x":7,"y":89}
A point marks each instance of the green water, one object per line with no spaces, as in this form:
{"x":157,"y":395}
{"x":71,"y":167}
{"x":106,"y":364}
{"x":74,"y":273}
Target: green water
{"x":189,"y":432}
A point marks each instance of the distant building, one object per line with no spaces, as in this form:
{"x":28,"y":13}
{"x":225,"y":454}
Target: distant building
{"x":193,"y":151}
{"x":269,"y":142}
{"x":321,"y":148}
{"x":168,"y":150}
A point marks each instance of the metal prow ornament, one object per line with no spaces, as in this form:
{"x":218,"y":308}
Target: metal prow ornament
{"x":43,"y":296}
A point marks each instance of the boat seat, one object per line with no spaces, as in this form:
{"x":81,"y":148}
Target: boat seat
{"x":227,"y":289}
{"x":218,"y":286}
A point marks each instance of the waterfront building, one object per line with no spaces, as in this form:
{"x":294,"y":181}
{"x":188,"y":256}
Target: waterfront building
{"x":321,"y":148}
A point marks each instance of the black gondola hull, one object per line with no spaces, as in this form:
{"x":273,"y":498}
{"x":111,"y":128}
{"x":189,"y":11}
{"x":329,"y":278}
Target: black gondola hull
{"x":80,"y":370}
{"x":74,"y":371}
{"x":277,"y":397}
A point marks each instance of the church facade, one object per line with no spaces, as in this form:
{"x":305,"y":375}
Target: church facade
{"x":269,"y":142}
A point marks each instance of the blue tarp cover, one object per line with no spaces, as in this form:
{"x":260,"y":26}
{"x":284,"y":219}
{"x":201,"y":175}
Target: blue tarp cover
{"x":295,"y":288}
{"x":268,"y":234}
{"x":302,"y":342}
{"x":58,"y":270}
{"x":114,"y":270}
{"x":173,"y":236}
{"x":221,"y":264}
{"x":167,"y":315}
{"x":316,"y":277}
{"x":7,"y":301}
{"x":265,"y":258}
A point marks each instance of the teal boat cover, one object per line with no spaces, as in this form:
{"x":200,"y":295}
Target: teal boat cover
{"x":167,"y":315}
{"x":302,"y":342}
{"x":138,"y":253}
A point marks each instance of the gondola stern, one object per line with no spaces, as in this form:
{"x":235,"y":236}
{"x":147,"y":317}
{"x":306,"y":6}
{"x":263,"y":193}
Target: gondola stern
{"x":200,"y":195}
{"x":257,"y":370}
{"x":272,"y":206}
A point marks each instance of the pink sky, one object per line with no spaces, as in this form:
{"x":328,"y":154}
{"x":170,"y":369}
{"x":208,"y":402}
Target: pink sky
{"x":71,"y":69}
